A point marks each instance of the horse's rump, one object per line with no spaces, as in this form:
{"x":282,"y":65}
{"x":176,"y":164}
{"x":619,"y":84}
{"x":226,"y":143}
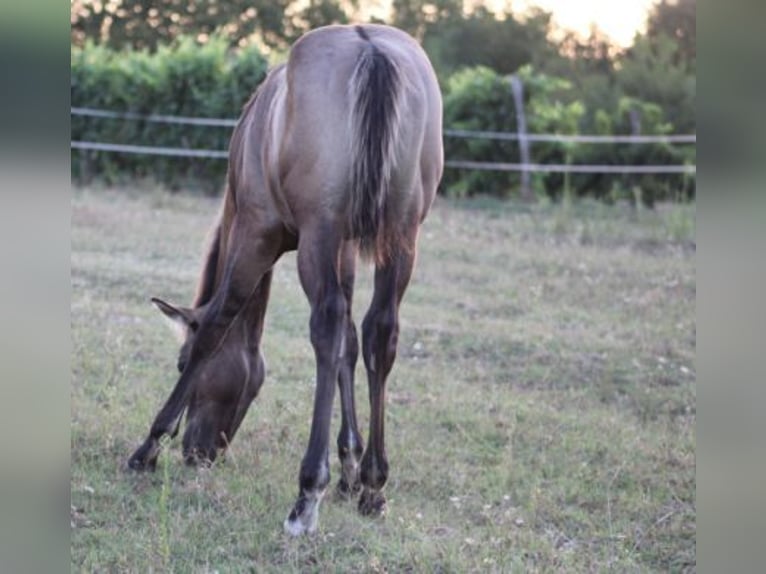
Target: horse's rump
{"x":352,"y":126}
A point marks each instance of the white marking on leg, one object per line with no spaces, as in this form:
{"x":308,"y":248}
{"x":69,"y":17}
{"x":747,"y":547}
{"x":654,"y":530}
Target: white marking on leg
{"x":307,"y":521}
{"x":323,"y":476}
{"x":350,"y":464}
{"x":342,"y":346}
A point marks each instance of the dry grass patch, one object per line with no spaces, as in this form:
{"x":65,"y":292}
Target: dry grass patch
{"x":541,"y":413}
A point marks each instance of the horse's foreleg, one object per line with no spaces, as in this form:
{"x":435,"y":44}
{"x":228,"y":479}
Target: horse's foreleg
{"x":350,"y":442}
{"x":167,"y":421}
{"x":252,"y":253}
{"x":380,"y":332}
{"x":256,"y":367}
{"x":318,"y":269}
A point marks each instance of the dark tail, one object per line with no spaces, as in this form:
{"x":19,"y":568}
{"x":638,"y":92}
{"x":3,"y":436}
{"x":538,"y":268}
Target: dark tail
{"x":375,"y":90}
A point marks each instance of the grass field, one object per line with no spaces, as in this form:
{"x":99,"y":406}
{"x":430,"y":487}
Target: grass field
{"x":541,"y":413}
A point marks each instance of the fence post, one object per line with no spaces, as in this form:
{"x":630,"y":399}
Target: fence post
{"x":635,"y":129}
{"x":517,"y":88}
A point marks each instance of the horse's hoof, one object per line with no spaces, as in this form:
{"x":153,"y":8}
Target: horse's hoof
{"x":304,"y":517}
{"x":145,"y":458}
{"x":372,"y":503}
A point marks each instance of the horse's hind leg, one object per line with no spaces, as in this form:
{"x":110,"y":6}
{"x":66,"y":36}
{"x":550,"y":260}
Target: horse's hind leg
{"x":350,"y":442}
{"x":380,"y":332}
{"x":318,"y":253}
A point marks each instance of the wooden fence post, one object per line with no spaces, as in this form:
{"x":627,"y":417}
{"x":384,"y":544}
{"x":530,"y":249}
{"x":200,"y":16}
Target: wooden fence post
{"x":517,"y":88}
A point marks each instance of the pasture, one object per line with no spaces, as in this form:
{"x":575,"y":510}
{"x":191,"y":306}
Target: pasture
{"x":541,"y":412}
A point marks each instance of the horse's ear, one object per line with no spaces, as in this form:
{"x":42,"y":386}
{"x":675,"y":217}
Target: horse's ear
{"x":180,"y":316}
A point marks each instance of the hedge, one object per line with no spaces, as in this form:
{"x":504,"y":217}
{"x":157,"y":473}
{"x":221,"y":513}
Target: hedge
{"x":480,"y":99}
{"x":210,"y":80}
{"x":185,"y":79}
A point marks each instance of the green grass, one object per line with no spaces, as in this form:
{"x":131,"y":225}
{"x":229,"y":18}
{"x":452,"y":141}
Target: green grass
{"x":541,"y":413}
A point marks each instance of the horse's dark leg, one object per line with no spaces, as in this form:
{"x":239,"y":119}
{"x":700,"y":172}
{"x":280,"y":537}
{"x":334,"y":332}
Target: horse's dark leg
{"x":380,"y":331}
{"x":252,"y":253}
{"x":318,"y":253}
{"x":350,"y":442}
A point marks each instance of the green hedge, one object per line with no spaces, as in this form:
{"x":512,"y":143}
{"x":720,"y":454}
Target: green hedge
{"x":210,"y":80}
{"x":185,"y":79}
{"x":480,"y":99}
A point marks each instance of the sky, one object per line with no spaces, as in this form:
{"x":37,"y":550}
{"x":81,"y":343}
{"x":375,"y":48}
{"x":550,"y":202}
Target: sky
{"x":619,"y":19}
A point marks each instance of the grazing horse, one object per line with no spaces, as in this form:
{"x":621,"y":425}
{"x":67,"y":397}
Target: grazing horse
{"x":338,"y":153}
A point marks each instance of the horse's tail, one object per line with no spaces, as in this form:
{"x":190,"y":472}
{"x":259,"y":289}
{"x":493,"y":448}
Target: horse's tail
{"x":375,"y":89}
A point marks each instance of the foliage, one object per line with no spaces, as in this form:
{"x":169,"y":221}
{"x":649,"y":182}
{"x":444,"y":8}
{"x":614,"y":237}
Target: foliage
{"x":501,"y":42}
{"x":185,"y":79}
{"x":144,"y":24}
{"x":549,"y":113}
{"x":415,"y":16}
{"x":320,"y":13}
{"x":140,"y":24}
{"x":648,"y":70}
{"x":676,"y":20}
{"x":589,"y":65}
{"x":633,"y":116}
{"x":480,"y":99}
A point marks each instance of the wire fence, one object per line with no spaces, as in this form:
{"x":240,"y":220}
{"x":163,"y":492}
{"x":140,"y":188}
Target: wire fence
{"x":454,"y":133}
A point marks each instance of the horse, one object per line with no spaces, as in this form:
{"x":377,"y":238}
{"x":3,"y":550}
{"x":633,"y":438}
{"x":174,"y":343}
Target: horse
{"x":338,"y":155}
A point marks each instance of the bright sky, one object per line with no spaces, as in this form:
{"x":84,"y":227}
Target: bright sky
{"x":619,"y":19}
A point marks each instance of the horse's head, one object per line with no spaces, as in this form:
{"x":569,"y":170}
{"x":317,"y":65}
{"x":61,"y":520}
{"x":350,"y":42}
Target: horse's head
{"x":224,"y":385}
{"x":187,"y":322}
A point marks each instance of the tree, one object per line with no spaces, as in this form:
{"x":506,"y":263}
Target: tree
{"x":318,"y":13}
{"x":414,"y":16}
{"x":589,"y":64}
{"x":147,"y":24}
{"x":676,"y":19}
{"x":648,"y":71}
{"x":503,"y":43}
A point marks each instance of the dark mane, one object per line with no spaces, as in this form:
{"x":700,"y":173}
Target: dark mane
{"x":206,"y":286}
